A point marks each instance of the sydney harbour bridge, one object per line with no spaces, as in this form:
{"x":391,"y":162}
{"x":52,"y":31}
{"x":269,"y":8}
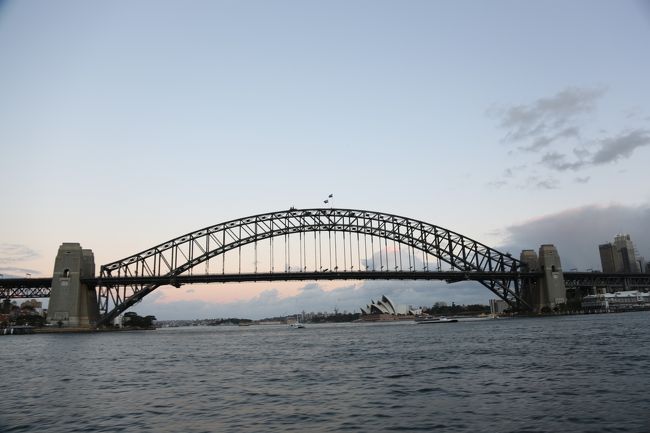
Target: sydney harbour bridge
{"x":305,"y":244}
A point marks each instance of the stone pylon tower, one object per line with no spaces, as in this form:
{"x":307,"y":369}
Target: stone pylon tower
{"x":552,"y":290}
{"x":548,"y":290}
{"x":529,"y":287}
{"x":72,"y":302}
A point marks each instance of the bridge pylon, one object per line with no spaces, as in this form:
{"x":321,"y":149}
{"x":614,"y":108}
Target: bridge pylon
{"x":530,"y":286}
{"x":553,"y":290}
{"x":72,"y":302}
{"x":548,"y":291}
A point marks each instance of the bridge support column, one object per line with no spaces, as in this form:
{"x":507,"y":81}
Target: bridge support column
{"x":71,"y":302}
{"x":552,"y":290}
{"x":548,"y":291}
{"x":530,"y":286}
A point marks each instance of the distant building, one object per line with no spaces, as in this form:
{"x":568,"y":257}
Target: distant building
{"x":610,"y":258}
{"x":498,"y":306}
{"x":642,"y":264}
{"x":620,"y":256}
{"x":628,"y":253}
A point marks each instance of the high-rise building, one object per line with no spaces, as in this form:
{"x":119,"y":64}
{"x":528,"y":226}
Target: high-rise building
{"x":642,"y":263}
{"x":529,"y":290}
{"x":610,"y":258}
{"x":628,"y":253}
{"x":619,"y":256}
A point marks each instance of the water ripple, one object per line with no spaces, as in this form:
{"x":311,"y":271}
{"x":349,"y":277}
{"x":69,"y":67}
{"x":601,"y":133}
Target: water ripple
{"x":580,"y":374}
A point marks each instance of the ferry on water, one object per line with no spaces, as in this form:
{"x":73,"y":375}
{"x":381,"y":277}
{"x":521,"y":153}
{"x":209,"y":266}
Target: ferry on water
{"x":430,"y":320}
{"x":17,"y":330}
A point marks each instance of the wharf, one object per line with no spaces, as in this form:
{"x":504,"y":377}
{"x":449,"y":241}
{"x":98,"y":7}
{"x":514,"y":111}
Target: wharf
{"x":17,"y":330}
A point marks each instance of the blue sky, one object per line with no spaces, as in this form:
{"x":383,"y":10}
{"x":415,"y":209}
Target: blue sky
{"x":124,"y":124}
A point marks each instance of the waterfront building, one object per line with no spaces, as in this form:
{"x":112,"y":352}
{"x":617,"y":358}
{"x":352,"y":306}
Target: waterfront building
{"x":618,"y":301}
{"x":386,"y":308}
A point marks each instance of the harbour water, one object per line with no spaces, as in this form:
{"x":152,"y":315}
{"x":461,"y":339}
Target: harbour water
{"x":572,"y":373}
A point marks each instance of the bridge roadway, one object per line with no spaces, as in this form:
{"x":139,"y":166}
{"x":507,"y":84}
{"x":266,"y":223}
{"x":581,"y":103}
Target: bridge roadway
{"x":15,"y":288}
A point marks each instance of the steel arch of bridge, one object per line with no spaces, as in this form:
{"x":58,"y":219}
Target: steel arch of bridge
{"x":179,"y":255}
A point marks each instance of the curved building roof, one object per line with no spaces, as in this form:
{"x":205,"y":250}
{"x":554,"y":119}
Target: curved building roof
{"x":384,"y":306}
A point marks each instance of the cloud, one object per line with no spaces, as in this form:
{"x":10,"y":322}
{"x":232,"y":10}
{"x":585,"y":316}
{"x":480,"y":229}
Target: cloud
{"x":16,"y":272}
{"x":548,"y":119}
{"x":314,"y":298}
{"x":543,"y":141}
{"x":610,"y":150}
{"x":558,"y":162}
{"x":582,"y":179}
{"x":539,"y":183}
{"x":613,"y":149}
{"x":578,"y":232}
{"x":497,"y":184}
{"x":555,"y":127}
{"x":510,"y":171}
{"x":547,"y":184}
{"x":11,"y":253}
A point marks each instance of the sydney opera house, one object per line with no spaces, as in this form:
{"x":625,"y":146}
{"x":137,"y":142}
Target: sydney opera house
{"x":385,"y":309}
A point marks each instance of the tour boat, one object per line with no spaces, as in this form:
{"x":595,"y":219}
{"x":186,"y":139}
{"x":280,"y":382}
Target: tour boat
{"x":442,"y":319}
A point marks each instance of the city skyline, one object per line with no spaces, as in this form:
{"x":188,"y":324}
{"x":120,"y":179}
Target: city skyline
{"x":514,"y":124}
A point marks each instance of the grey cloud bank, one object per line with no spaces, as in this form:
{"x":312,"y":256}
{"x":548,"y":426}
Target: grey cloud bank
{"x":578,"y":232}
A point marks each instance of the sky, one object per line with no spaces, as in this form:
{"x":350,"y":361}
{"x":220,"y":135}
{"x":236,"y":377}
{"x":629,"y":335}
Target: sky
{"x":124,"y":124}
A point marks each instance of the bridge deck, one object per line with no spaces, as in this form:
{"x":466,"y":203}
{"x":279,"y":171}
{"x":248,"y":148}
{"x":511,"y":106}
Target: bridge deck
{"x":40,"y":287}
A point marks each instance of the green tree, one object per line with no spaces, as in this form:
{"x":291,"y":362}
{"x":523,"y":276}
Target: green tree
{"x":30,"y":320}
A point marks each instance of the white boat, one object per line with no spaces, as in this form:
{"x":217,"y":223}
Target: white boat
{"x":427,"y":320}
{"x":297,"y":324}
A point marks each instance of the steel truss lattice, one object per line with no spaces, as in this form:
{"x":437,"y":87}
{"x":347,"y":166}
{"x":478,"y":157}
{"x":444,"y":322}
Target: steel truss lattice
{"x":180,"y":255}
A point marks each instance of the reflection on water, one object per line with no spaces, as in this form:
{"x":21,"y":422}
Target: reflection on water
{"x":575,"y":373}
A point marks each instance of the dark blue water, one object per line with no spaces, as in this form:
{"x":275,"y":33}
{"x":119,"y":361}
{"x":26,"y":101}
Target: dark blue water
{"x":578,"y":373}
